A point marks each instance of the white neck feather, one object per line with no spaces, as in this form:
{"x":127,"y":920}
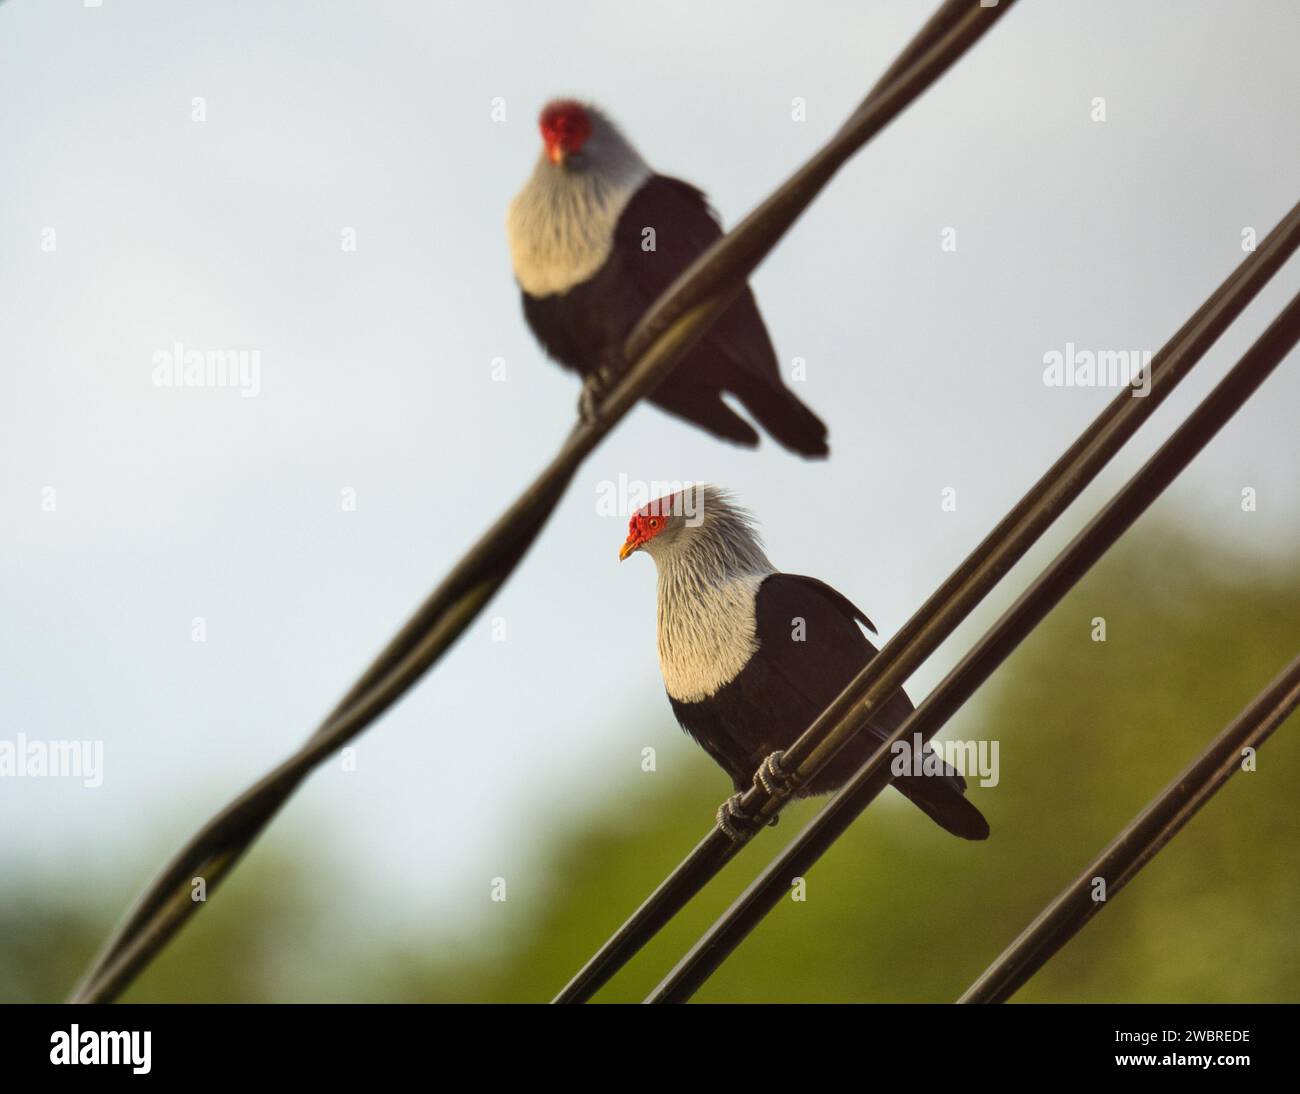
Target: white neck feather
{"x":561,"y":224}
{"x":708,"y":585}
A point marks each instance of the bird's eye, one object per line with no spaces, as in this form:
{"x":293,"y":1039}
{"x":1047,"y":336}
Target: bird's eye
{"x":654,"y":523}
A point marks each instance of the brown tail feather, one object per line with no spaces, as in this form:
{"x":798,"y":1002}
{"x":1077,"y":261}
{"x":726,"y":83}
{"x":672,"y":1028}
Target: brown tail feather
{"x":780,"y":412}
{"x":706,"y":408}
{"x":944,"y":804}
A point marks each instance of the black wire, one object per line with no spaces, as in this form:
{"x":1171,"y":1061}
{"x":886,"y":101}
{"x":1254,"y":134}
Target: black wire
{"x":1140,"y":841}
{"x":988,"y":653}
{"x":953,"y":601}
{"x":673,"y":324}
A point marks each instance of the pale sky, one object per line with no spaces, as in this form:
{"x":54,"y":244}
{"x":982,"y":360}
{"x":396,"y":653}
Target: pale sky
{"x":226,"y":234}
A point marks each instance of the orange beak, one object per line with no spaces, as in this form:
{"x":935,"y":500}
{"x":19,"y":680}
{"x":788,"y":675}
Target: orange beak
{"x":628,"y":548}
{"x":556,"y":154}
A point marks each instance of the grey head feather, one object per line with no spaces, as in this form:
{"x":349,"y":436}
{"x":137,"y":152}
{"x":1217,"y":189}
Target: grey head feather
{"x":561,"y":224}
{"x":710,"y":563}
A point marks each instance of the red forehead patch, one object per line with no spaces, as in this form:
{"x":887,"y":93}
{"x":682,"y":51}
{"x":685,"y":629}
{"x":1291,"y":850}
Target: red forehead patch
{"x":648,"y":521}
{"x":565,"y":124}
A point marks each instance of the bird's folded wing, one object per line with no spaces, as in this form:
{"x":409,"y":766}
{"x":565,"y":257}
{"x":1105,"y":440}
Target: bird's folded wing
{"x":684,"y":227}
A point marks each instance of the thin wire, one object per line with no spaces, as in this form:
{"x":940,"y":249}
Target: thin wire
{"x":767,"y":891}
{"x":674,"y":324}
{"x":1144,"y":837}
{"x":952,"y":602}
{"x":951,"y":31}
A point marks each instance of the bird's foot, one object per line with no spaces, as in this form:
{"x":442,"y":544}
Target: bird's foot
{"x":736,"y":822}
{"x":730,"y":813}
{"x":589,"y":400}
{"x":596,"y":386}
{"x":774,"y":778}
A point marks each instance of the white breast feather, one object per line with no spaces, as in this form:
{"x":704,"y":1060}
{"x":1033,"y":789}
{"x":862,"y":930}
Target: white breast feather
{"x":706,"y":637}
{"x":561,"y":230}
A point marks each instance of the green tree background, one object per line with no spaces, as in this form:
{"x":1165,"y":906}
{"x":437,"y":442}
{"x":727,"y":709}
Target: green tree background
{"x":897,"y":911}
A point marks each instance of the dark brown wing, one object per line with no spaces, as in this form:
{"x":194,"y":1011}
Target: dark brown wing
{"x":665,"y":227}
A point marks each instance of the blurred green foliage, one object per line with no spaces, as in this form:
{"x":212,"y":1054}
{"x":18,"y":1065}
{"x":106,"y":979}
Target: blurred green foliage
{"x":898,"y":910}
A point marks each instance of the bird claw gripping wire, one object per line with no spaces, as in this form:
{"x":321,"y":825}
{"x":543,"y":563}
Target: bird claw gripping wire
{"x":596,"y":386}
{"x":736,"y":822}
{"x":589,"y":402}
{"x":775,"y":779}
